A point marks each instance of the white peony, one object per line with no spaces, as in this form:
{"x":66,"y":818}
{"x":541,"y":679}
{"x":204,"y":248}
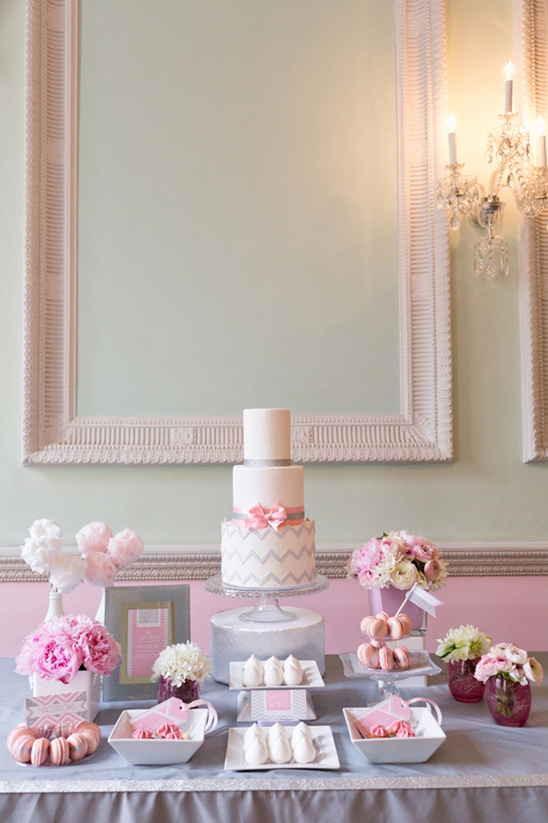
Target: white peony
{"x":43,"y":546}
{"x":66,"y":571}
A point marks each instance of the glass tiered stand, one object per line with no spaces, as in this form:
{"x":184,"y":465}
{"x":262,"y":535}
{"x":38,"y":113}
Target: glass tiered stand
{"x":422,"y":665}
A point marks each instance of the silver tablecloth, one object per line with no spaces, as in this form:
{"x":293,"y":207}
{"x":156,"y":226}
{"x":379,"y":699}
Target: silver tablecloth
{"x":481,"y":772}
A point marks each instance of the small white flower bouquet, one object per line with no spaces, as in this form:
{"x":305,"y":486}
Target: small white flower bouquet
{"x":181,"y":662}
{"x":464,"y":643}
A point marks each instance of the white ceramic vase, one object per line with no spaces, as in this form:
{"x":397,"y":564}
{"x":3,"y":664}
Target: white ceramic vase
{"x":55,"y":605}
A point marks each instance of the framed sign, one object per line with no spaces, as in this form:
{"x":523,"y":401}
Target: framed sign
{"x":144,"y":620}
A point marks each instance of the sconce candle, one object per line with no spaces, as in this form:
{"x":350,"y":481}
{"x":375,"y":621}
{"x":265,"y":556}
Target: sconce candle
{"x":452,"y":139}
{"x":508,"y":87}
{"x":541,"y":142}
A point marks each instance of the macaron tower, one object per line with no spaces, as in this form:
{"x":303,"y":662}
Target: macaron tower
{"x":379,"y":628}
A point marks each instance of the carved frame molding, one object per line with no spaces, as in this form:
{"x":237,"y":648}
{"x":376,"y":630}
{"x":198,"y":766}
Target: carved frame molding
{"x":168,"y":563}
{"x":533,"y":246}
{"x":55,"y":434}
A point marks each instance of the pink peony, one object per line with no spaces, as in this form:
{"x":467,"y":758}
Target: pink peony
{"x":58,"y":660}
{"x":93,"y":538}
{"x":98,"y":651}
{"x":101,"y":569}
{"x":125,"y":548}
{"x":61,"y":646}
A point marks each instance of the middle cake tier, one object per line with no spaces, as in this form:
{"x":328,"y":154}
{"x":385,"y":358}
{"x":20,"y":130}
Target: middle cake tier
{"x":269,"y":486}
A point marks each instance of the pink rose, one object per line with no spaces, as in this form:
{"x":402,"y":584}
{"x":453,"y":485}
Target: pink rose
{"x":125,"y":548}
{"x":93,"y":538}
{"x":432,"y":569}
{"x":100,"y":569}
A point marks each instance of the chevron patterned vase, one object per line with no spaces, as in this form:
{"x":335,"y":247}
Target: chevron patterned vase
{"x":83,"y":681}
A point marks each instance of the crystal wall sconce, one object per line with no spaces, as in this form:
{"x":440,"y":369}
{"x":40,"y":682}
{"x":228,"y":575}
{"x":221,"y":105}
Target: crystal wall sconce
{"x":509,"y":146}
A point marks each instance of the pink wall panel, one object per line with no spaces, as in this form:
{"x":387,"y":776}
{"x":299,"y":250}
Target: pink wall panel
{"x":513,"y":609}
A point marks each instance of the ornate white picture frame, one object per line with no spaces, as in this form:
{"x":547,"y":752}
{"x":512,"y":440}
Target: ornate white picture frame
{"x":53,"y":431}
{"x":534,"y":246}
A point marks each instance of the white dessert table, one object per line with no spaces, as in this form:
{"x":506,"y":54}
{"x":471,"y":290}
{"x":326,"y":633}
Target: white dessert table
{"x":482,"y":772}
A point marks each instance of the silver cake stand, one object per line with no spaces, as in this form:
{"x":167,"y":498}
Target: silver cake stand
{"x":267,"y":608}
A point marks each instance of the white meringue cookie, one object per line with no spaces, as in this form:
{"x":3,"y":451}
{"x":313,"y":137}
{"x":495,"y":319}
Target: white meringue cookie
{"x":255,"y":751}
{"x":254,"y":732}
{"x":278,"y":732}
{"x":293,"y":671}
{"x":253,"y":672}
{"x":301,"y":730}
{"x":273,"y":674}
{"x":303,"y":750}
{"x":279,"y":749}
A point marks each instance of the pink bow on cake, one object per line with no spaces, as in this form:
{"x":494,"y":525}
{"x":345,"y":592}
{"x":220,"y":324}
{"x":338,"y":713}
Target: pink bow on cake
{"x":260,"y":517}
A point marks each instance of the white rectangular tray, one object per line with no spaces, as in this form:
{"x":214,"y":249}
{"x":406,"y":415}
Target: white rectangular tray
{"x":326,"y":758}
{"x":312,"y":678}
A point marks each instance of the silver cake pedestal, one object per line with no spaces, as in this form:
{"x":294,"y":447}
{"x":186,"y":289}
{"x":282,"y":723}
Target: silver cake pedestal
{"x":266,"y":629}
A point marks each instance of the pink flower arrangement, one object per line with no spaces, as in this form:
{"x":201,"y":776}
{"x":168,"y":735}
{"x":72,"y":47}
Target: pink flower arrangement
{"x":398,"y":559}
{"x":511,"y":662}
{"x":60,"y":647}
{"x":102,"y":555}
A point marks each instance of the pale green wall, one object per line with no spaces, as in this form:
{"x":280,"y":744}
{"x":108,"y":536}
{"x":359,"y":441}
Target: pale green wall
{"x":487,"y":494}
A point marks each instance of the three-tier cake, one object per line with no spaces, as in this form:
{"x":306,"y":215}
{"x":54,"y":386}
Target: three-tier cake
{"x":269,"y":542}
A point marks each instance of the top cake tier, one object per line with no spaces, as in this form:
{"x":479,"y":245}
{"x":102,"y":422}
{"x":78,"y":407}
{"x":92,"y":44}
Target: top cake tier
{"x":267,"y":437}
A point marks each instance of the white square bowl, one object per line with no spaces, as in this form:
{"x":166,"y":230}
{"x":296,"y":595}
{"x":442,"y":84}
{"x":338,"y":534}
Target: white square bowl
{"x":158,"y":752}
{"x":428,"y":737}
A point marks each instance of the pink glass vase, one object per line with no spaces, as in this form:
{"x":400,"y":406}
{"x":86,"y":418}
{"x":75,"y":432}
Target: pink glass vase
{"x":462,"y":684}
{"x":188,"y":691}
{"x":390,"y":599}
{"x":509,"y":702}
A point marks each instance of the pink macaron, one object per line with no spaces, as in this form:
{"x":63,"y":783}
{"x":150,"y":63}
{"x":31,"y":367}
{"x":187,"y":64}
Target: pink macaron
{"x":78,"y":746}
{"x":20,"y":731}
{"x":364,"y":625}
{"x":59,"y":751}
{"x":21,"y":748}
{"x":395,"y":628}
{"x":368,"y":656}
{"x":406,"y":622}
{"x":386,"y":659}
{"x":402,"y":658}
{"x":40,"y":751}
{"x":377,"y":628}
{"x":383,"y":616}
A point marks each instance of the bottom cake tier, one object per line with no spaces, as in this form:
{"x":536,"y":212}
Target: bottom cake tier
{"x":266,"y":558}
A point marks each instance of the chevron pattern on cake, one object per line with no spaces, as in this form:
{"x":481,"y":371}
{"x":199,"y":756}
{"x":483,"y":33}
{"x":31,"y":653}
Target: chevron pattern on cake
{"x":251,"y":581}
{"x":267,"y":534}
{"x":277,"y":557}
{"x":266,"y":559}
